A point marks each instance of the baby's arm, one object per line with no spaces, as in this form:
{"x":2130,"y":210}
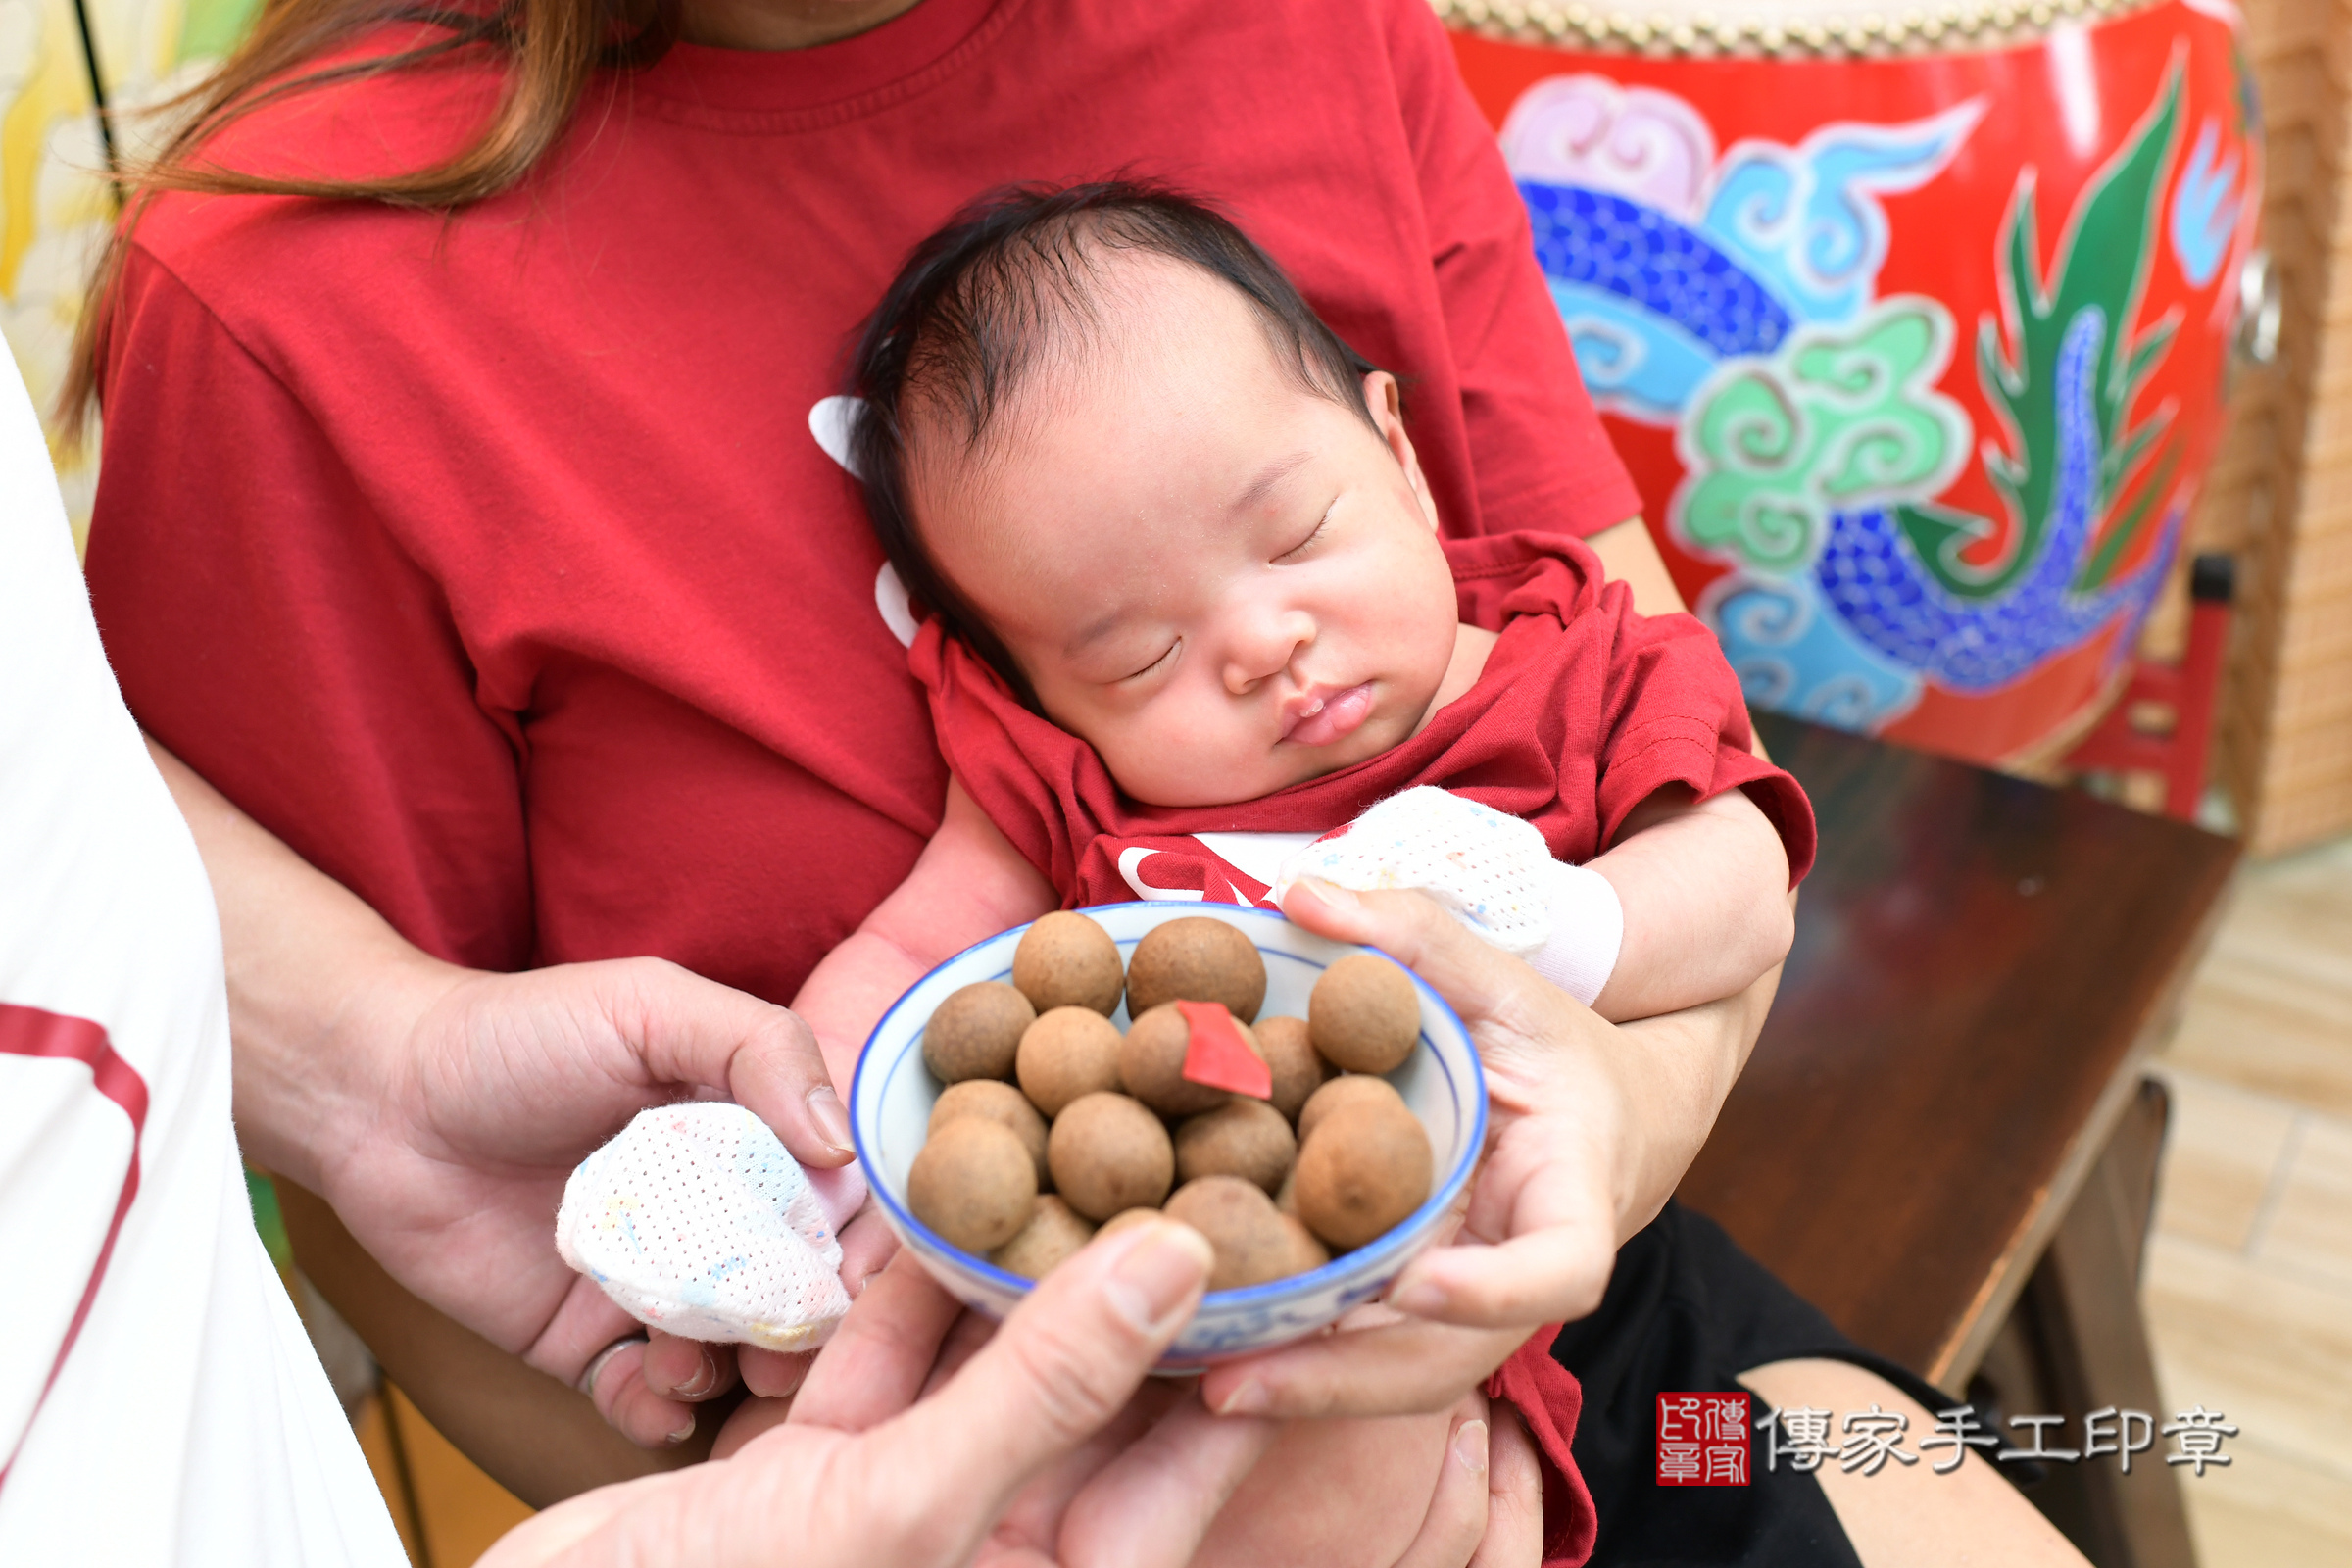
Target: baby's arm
{"x":1704,"y":886}
{"x":970,"y":883}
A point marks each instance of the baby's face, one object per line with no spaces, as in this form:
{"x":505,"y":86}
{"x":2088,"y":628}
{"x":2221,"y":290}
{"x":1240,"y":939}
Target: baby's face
{"x":1222,"y":582}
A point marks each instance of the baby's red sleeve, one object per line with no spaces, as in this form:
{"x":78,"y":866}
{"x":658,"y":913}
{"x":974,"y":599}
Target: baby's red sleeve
{"x":1550,"y":1399}
{"x":1676,"y":715}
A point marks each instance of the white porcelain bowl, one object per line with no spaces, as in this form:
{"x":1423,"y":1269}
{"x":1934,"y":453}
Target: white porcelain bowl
{"x":890,"y":1112}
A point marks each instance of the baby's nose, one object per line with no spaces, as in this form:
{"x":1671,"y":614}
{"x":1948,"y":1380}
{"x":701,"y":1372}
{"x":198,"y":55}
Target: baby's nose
{"x":1266,"y":649}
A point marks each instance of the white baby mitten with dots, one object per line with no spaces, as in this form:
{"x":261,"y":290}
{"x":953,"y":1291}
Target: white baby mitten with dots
{"x":698,"y":1222}
{"x":1492,"y":871}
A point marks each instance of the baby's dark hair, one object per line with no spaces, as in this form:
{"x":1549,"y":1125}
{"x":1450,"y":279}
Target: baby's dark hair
{"x":978,"y":305}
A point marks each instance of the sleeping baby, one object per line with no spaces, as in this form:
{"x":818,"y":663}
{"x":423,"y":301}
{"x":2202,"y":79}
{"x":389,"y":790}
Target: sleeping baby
{"x":1192,"y":629}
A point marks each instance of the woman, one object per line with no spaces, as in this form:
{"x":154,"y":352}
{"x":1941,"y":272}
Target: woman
{"x":499,"y":563}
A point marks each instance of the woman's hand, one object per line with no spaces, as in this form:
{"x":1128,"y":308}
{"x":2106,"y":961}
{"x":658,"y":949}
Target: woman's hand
{"x":464,"y":1124}
{"x":440,"y":1109}
{"x":1591,"y":1125}
{"x":867,"y":1472}
{"x":1147,"y":1488}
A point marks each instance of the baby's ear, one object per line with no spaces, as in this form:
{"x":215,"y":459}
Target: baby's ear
{"x":1383,"y":399}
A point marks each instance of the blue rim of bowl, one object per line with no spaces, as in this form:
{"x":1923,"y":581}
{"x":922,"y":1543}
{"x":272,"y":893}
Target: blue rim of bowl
{"x":1249,"y":1295}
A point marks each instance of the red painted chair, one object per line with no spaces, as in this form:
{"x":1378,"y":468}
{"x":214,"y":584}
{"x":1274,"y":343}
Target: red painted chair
{"x":2163,"y":723}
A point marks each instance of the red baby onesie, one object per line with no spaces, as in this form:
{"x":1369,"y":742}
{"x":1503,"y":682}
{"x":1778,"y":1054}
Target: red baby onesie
{"x":1584,"y":709}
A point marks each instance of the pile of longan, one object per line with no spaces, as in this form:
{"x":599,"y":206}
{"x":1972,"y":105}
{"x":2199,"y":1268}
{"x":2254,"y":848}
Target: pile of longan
{"x":1103,"y":1124}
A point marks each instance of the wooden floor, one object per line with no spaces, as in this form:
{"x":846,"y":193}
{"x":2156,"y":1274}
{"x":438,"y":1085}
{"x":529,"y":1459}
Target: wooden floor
{"x":2249,"y":1284}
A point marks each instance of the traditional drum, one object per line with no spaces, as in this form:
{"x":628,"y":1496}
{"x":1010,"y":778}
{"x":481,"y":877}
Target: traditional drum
{"x":1911,"y":326}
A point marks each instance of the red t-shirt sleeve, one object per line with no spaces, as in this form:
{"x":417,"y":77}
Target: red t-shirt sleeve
{"x":1676,"y":715}
{"x":267,"y":629}
{"x":1539,"y":458}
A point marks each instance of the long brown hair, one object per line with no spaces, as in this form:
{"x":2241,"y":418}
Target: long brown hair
{"x":551,"y":48}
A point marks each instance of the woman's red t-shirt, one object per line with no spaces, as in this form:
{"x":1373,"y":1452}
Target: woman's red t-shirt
{"x":495,"y":562}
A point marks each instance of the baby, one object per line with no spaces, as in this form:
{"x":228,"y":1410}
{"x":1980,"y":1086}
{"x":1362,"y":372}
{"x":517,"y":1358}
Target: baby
{"x":1188,"y":608}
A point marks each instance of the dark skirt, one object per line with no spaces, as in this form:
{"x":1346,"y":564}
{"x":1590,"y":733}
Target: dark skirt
{"x":1686,"y":1311}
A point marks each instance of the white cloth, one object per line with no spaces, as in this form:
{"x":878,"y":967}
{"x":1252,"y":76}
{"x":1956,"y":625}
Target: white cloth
{"x":159,"y":1401}
{"x":1492,"y":871}
{"x":696,"y":1221}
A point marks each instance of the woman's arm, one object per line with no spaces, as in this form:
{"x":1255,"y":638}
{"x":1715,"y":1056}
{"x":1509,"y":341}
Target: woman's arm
{"x":440,"y":1109}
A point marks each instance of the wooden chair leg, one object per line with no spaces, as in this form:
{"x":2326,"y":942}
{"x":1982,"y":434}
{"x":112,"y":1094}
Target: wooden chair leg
{"x":2083,"y":1302}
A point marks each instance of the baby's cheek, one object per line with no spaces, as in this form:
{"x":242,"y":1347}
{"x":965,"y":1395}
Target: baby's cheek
{"x":1335,"y":1494}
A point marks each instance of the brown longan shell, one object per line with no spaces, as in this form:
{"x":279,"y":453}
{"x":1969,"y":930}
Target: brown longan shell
{"x":1152,"y":1063}
{"x":1364,"y":1014}
{"x":1000,"y":1103}
{"x":1362,"y":1171}
{"x":976,"y":1032}
{"x":1108,"y":1152}
{"x":1307,"y":1252}
{"x":1348,"y":1089}
{"x":1291,"y":1056}
{"x":1055,"y":1231}
{"x":972,"y":1183}
{"x":1067,"y":1053}
{"x":1244,"y":1137}
{"x":1198,"y":959}
{"x":1242,"y":1230}
{"x":1126,"y":1219}
{"x":1066,"y":960}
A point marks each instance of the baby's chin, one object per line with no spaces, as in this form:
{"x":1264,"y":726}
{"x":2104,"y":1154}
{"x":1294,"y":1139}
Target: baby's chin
{"x":1241,"y":780}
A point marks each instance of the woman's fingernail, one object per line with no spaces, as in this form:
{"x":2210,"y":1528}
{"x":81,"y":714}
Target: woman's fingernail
{"x":1470,"y":1446}
{"x":1249,"y":1398}
{"x":683,"y":1432}
{"x":1331,"y":893}
{"x":704,"y":1380}
{"x":1157,"y":1275}
{"x":1422,"y":1298}
{"x":833,"y":1123}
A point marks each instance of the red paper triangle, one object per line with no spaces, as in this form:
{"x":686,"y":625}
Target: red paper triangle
{"x":1217,"y":1056}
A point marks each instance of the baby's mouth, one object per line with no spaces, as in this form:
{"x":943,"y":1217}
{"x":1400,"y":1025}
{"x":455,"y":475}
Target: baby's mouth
{"x":1321,"y":716}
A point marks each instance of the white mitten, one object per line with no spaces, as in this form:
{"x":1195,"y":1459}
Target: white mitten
{"x":696,"y":1221}
{"x":1492,"y":871}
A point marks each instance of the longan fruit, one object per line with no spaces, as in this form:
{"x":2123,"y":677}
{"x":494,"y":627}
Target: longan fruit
{"x":1055,"y":1231}
{"x":1067,"y":1053}
{"x":1066,"y":960}
{"x":1348,"y":1089}
{"x":1307,"y":1253}
{"x":1126,"y":1219}
{"x":1364,"y":1014}
{"x":976,"y":1032}
{"x":1151,"y":1062}
{"x":999,"y":1102}
{"x":1363,"y":1170}
{"x":1244,"y":1137}
{"x":1108,"y":1152}
{"x":1297,"y":1071}
{"x":1242,"y":1230}
{"x":973,"y":1183}
{"x":1198,"y":959}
